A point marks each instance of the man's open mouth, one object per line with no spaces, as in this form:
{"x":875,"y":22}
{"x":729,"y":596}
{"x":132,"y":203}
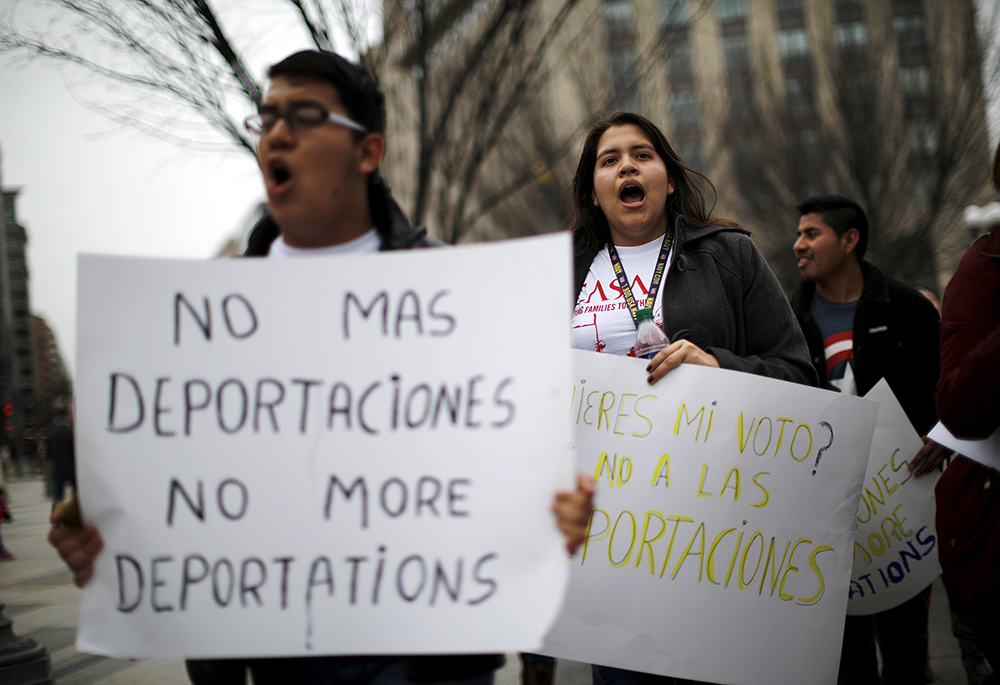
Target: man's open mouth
{"x":632,"y":194}
{"x":278,"y":172}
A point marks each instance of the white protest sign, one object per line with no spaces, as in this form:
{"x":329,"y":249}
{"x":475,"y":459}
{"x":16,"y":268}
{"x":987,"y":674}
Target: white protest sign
{"x":895,"y":544}
{"x":985,"y":451}
{"x":352,"y":455}
{"x":720,"y":549}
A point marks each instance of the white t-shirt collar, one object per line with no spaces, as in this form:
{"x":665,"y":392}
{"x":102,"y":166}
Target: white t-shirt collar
{"x":369,"y":242}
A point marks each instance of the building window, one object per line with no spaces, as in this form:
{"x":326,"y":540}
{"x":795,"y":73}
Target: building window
{"x":618,"y":16}
{"x":799,"y":98}
{"x":789,"y":6}
{"x":689,"y":150}
{"x":915,"y":82}
{"x":851,"y":36}
{"x":730,"y":11}
{"x":680,"y":68}
{"x":922,"y":137}
{"x":737,"y":53}
{"x":910,"y":33}
{"x":16,"y":273}
{"x":793,"y":44}
{"x":742,"y":105}
{"x":907,"y":7}
{"x":674,"y":12}
{"x":8,"y":208}
{"x":848,"y":10}
{"x":684,"y":111}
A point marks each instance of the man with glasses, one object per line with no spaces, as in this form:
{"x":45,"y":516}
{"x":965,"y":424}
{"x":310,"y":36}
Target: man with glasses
{"x":321,"y":128}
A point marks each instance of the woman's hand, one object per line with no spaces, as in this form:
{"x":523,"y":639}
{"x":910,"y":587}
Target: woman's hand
{"x":675,"y":354}
{"x":573,"y":510}
{"x":77,"y":546}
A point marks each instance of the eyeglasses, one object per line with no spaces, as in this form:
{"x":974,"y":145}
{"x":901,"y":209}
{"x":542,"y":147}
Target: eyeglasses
{"x":299,"y":116}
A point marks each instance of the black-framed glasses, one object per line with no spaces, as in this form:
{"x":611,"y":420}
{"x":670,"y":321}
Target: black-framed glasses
{"x":299,"y":116}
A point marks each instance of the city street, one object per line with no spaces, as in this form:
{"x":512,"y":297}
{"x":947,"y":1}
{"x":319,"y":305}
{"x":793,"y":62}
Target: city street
{"x":40,"y":598}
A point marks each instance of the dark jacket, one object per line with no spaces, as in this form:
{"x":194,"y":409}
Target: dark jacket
{"x":895,"y":337}
{"x":756,"y":333}
{"x":397,"y":234}
{"x":968,"y":392}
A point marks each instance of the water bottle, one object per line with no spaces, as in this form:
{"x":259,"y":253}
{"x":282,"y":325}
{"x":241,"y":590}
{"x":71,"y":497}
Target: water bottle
{"x":649,"y":338}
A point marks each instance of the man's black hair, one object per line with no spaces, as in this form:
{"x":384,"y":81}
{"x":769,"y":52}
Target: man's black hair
{"x":841,"y":214}
{"x":358,"y":89}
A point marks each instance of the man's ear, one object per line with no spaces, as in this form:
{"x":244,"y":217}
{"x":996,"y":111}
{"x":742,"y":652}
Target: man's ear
{"x":850,"y":240}
{"x":370,"y":151}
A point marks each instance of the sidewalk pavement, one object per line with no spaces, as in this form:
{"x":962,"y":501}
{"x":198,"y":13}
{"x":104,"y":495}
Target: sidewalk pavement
{"x":40,"y":598}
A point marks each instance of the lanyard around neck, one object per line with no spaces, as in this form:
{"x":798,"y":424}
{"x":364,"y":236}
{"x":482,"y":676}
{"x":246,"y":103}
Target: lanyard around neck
{"x":654,"y":284}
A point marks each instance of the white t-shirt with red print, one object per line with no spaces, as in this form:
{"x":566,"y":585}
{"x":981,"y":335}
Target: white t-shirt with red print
{"x":601,"y":320}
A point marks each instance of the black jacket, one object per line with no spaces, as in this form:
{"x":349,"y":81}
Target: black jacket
{"x":721,"y":295}
{"x":895,"y":337}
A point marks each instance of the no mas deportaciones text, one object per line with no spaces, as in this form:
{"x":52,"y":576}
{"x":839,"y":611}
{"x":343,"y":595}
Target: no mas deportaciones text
{"x":170,"y":407}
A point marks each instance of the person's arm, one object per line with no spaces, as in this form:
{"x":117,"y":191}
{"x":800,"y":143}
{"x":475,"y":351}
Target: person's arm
{"x":573,"y":510}
{"x":968,"y":391}
{"x":78,"y":546}
{"x":775,"y":346}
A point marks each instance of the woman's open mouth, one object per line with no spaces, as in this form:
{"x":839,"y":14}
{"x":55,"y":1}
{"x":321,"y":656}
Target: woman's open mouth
{"x":632,"y":194}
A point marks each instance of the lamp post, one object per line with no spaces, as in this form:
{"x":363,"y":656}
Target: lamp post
{"x":22,"y":660}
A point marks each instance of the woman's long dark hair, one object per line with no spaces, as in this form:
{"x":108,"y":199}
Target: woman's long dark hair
{"x":590,"y":227}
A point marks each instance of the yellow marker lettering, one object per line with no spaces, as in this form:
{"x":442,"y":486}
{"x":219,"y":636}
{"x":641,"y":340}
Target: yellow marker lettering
{"x":767,"y":495}
{"x":872,"y":498}
{"x":647,"y":542}
{"x":795,"y":436}
{"x":649,"y":425}
{"x":770,"y":430}
{"x":700,"y":415}
{"x":624,"y":475}
{"x":735,"y":471}
{"x":592,"y":536}
{"x":791,"y":568}
{"x":885,"y":481}
{"x":662,"y":471}
{"x":881,"y":544}
{"x":621,"y":413}
{"x":699,"y":534}
{"x":781,"y":433}
{"x":864,"y":553}
{"x":732,"y":562}
{"x":739,"y":437}
{"x":602,"y":410}
{"x":892,"y":460}
{"x":743,"y":560}
{"x":710,"y":561}
{"x":602,"y":466}
{"x":670,"y":548}
{"x":775,"y":573}
{"x":819,"y":576}
{"x":589,"y":406}
{"x":701,"y":484}
{"x":631,"y":544}
{"x":711,"y":415}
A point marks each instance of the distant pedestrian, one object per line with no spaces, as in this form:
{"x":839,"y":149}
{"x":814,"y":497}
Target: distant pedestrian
{"x":5,"y":517}
{"x":59,"y":448}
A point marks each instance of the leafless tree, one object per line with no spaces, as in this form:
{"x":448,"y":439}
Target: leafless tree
{"x":904,"y":137}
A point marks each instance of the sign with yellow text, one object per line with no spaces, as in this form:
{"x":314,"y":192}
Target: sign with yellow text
{"x":324,"y":455}
{"x":720,"y":548}
{"x":895,"y":544}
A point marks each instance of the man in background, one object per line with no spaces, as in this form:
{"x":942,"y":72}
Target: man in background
{"x":862,"y":326}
